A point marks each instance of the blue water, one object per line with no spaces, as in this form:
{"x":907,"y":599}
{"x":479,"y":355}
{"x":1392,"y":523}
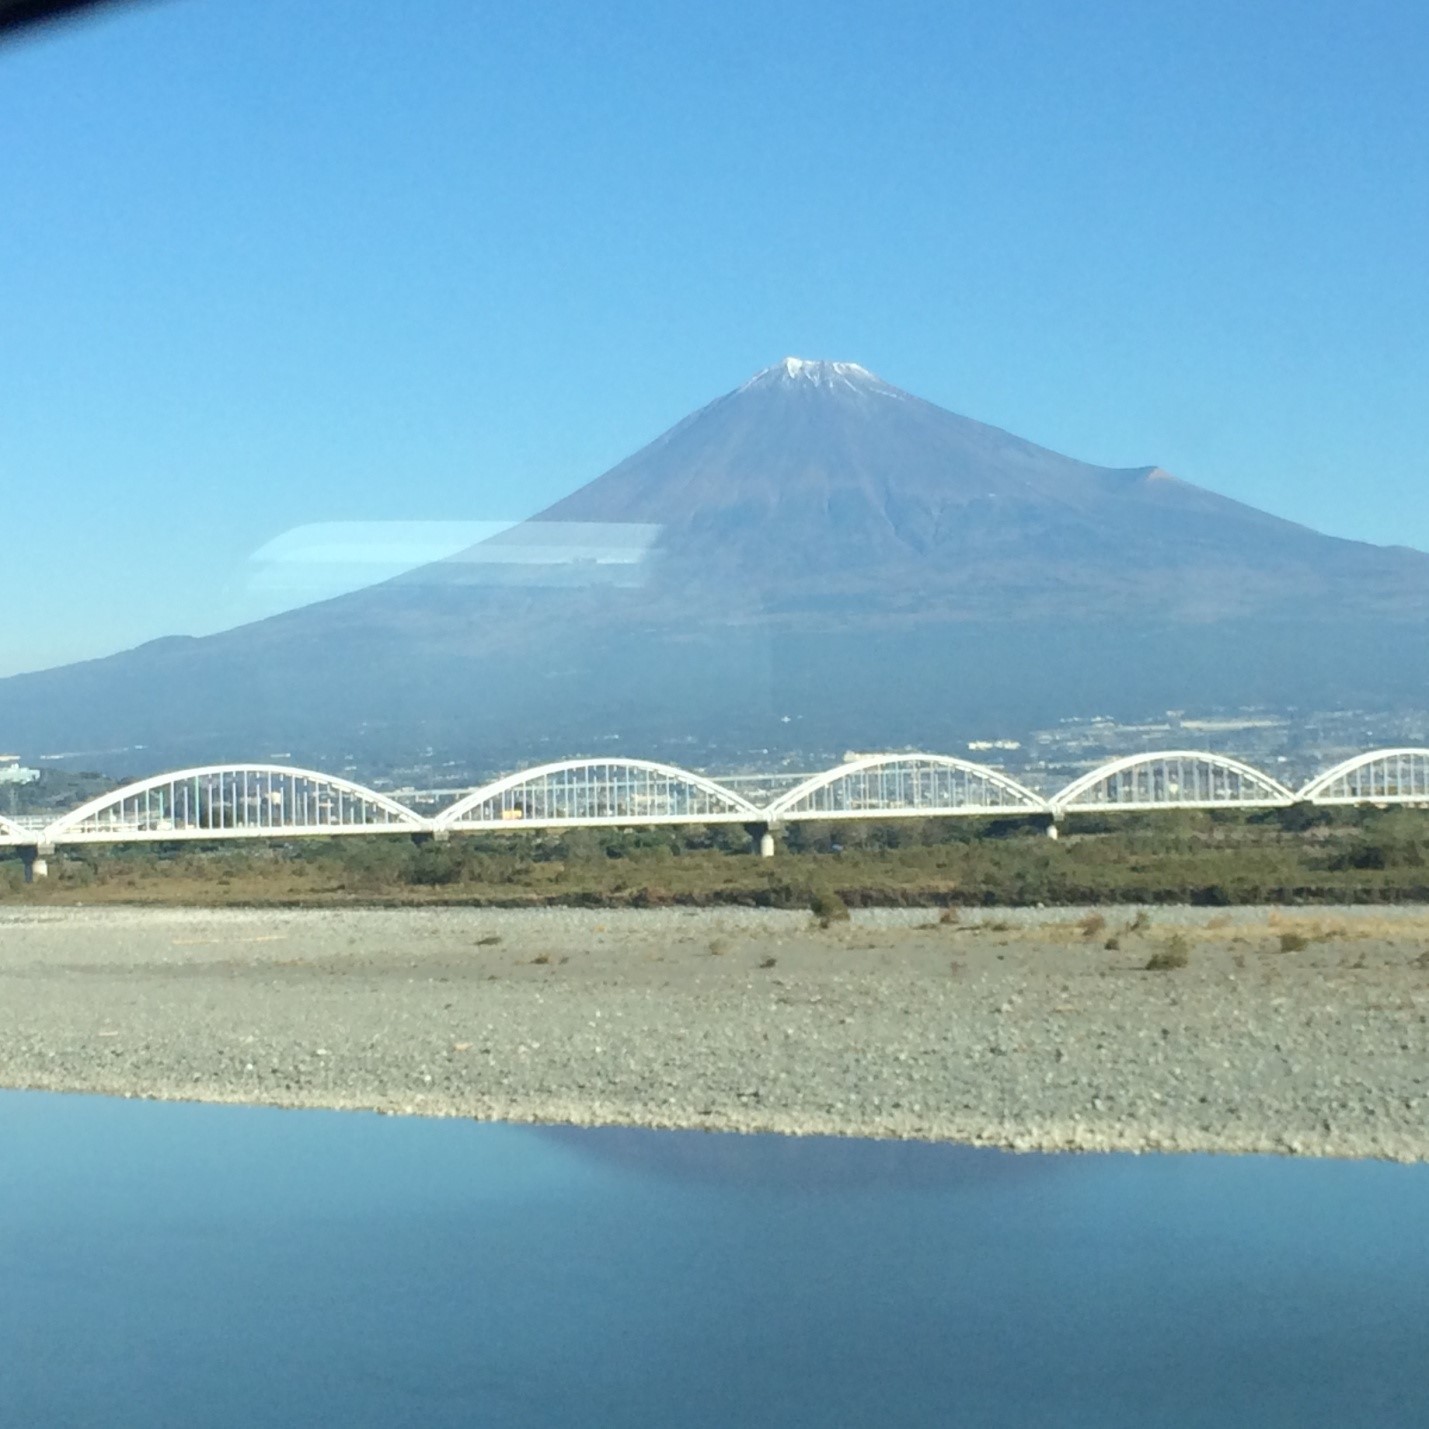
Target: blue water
{"x":194,"y":1266}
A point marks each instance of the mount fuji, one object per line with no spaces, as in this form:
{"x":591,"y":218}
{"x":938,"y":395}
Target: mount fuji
{"x":814,"y":559}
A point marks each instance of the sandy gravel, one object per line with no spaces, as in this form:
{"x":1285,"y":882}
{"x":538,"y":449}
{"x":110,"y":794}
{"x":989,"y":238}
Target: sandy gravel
{"x":1012,"y":1028}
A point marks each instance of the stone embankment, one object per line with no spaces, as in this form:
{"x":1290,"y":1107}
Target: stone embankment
{"x":1283,"y":1032}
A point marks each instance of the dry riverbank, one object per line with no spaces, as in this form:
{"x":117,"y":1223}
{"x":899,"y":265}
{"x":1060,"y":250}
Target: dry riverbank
{"x":1304,"y":1032}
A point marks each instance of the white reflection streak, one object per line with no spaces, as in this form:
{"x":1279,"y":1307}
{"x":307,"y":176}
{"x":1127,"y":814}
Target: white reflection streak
{"x":325,"y":559}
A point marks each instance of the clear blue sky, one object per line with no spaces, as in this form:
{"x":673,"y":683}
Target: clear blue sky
{"x":267,"y":263}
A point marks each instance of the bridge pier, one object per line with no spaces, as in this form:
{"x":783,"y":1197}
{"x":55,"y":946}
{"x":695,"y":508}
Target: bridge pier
{"x":1052,"y":832}
{"x":36,"y":860}
{"x":761,"y":839}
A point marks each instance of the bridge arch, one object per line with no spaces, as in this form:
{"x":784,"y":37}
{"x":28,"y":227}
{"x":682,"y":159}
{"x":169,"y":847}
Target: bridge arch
{"x":580,"y":792}
{"x":1382,"y":776}
{"x":232,"y":801}
{"x":1172,"y":779}
{"x":12,"y":833}
{"x":888,"y":785}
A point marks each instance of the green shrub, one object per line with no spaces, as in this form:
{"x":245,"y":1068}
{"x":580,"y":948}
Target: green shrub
{"x":781,"y":893}
{"x":77,"y":872}
{"x":1298,"y":817}
{"x":828,"y":907}
{"x":1173,"y":954}
{"x":1293,"y":942}
{"x":435,"y":864}
{"x":1388,"y":840}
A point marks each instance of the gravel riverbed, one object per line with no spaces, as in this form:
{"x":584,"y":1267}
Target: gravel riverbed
{"x":1017,"y":1028}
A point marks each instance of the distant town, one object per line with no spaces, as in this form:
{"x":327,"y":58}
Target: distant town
{"x":1292,"y":745}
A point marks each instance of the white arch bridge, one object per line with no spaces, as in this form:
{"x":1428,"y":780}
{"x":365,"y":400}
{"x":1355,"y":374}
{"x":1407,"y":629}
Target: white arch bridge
{"x":270,"y":801}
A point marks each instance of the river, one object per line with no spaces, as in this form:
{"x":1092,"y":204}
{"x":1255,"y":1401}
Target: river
{"x":174,"y":1264}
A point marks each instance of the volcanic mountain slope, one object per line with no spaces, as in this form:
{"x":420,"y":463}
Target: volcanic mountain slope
{"x":817,"y":485}
{"x":816,"y":546}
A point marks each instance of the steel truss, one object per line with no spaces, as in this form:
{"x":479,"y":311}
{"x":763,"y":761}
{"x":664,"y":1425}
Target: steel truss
{"x":595,"y":792}
{"x":1173,"y":779}
{"x":1383,"y":776}
{"x":878,"y":786}
{"x":233,"y":801}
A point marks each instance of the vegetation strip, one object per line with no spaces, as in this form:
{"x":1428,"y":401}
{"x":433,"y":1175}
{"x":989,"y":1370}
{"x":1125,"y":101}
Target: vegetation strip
{"x":1294,"y":855}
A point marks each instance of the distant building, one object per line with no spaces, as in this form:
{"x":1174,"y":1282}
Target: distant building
{"x":13,"y":772}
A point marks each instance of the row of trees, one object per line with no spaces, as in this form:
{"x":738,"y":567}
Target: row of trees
{"x":1203,"y":857}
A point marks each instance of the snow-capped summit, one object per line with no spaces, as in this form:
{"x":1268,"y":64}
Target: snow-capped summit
{"x":816,"y":373}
